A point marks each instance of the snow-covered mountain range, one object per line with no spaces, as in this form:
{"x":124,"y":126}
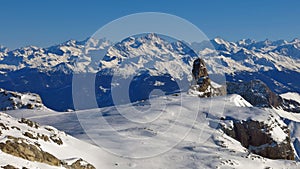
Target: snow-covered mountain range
{"x":252,"y":56}
{"x":177,"y":128}
{"x":244,"y":55}
{"x":274,"y":62}
{"x":48,"y":71}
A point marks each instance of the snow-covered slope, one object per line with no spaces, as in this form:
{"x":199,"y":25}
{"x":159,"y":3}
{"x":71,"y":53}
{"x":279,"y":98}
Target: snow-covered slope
{"x":239,"y":101}
{"x":293,"y":122}
{"x":201,"y":143}
{"x":291,"y":96}
{"x":14,"y":100}
{"x":24,"y":143}
{"x":291,"y":102}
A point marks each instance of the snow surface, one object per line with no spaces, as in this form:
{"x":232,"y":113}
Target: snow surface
{"x":293,"y":121}
{"x":201,"y":144}
{"x":70,"y":149}
{"x":291,"y":96}
{"x":239,"y":101}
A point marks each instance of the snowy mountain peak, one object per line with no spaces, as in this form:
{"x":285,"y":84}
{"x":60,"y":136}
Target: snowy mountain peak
{"x":271,"y":55}
{"x":149,"y":48}
{"x":267,"y":42}
{"x":296,"y":40}
{"x":72,"y":43}
{"x":3,"y":49}
{"x":152,"y":36}
{"x":220,"y":41}
{"x":245,"y":42}
{"x":223,"y":45}
{"x":279,"y":42}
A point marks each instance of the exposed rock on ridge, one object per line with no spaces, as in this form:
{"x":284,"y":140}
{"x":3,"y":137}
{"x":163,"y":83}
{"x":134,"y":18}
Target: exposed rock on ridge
{"x":259,"y":137}
{"x":202,"y":85}
{"x":13,"y":100}
{"x":27,"y":139}
{"x":256,"y":92}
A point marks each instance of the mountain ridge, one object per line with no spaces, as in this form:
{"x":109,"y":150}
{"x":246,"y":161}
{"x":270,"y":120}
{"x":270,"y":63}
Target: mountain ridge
{"x":49,"y":71}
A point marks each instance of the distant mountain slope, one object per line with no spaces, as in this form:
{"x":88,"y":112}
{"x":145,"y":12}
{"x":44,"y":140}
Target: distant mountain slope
{"x":148,"y":59}
{"x":48,"y":71}
{"x":249,"y":55}
{"x":276,"y":63}
{"x":244,"y":55}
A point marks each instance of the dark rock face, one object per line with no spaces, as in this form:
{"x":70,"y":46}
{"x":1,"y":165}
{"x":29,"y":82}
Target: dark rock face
{"x":290,"y":106}
{"x":9,"y":167}
{"x":199,"y":69}
{"x":200,"y":75}
{"x":259,"y":94}
{"x":255,"y":92}
{"x":56,"y":139}
{"x":202,"y":82}
{"x":254,"y":136}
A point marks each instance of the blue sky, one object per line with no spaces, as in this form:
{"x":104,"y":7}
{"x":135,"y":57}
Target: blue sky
{"x":48,"y":22}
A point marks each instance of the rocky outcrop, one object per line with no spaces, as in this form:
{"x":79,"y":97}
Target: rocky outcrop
{"x":56,"y":139}
{"x":9,"y":167}
{"x":27,"y":139}
{"x":257,"y":137}
{"x":200,"y":75}
{"x":80,"y":164}
{"x":202,"y":85}
{"x":290,"y":105}
{"x":29,"y":123}
{"x":260,"y":95}
{"x":21,"y":148}
{"x":255,"y":92}
{"x":13,"y":100}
